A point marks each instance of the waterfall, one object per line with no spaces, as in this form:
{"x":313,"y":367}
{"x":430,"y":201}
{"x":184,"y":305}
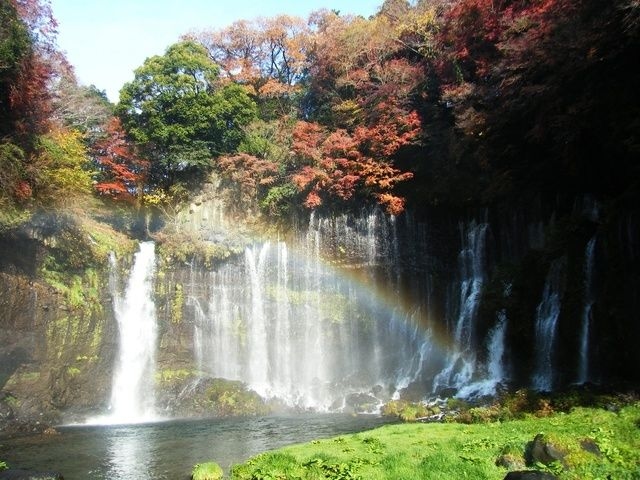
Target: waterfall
{"x":310,"y":332}
{"x":460,"y":366}
{"x":546,"y":321}
{"x":495,"y":368}
{"x":132,"y":396}
{"x":589,"y":300}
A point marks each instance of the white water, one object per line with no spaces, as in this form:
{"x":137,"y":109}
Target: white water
{"x":546,"y":324}
{"x":589,"y":258}
{"x":132,"y":395}
{"x":294,"y":328}
{"x":460,"y":366}
{"x":495,"y":368}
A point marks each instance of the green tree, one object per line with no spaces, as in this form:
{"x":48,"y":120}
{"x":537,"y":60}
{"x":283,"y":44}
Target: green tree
{"x":182,"y":114}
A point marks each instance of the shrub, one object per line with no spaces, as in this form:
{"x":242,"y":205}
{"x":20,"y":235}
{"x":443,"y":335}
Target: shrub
{"x":207,"y":471}
{"x":406,"y":411}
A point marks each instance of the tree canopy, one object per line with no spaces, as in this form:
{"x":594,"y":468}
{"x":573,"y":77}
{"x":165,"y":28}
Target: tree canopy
{"x":180,"y":114}
{"x":463,"y":102}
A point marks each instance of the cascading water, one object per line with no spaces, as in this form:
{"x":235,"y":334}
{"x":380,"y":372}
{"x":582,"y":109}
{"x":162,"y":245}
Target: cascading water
{"x":547,"y":314}
{"x":495,"y":368}
{"x":132,"y":395}
{"x":589,"y":300}
{"x":460,"y":366}
{"x":311,"y":335}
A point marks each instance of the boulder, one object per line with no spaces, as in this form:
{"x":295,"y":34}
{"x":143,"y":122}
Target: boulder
{"x":588,"y":445}
{"x":530,"y":475}
{"x":510,"y":462}
{"x":541,"y":450}
{"x":15,"y":474}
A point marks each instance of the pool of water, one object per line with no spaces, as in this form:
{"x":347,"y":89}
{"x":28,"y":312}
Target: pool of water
{"x":168,"y":450}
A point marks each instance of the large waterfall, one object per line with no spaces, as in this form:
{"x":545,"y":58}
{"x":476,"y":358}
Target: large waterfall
{"x":132,"y":396}
{"x":349,"y":312}
{"x":311,"y":334}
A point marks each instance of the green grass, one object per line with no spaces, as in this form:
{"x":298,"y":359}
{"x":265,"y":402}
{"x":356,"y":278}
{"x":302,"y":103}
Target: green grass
{"x":456,"y":451}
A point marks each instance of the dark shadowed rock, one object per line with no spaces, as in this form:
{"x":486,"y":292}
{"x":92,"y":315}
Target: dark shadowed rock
{"x":14,"y":474}
{"x":540,"y":450}
{"x":590,"y":446}
{"x":530,"y":475}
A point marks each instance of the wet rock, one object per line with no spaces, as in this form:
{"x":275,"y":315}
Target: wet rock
{"x":14,"y":474}
{"x":530,"y":475}
{"x":362,"y":402}
{"x":447,"y":392}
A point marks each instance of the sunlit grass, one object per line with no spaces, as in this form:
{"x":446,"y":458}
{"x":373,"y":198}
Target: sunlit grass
{"x":456,"y":451}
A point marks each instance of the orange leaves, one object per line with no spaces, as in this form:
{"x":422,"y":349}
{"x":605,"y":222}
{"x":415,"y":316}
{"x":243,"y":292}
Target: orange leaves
{"x":249,"y":173}
{"x":122,"y":172}
{"x":389,"y":133}
{"x":392,"y":204}
{"x":307,"y":138}
{"x":339,"y":165}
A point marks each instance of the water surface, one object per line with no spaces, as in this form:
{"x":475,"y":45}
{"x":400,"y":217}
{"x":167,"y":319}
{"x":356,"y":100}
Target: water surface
{"x":169,"y":450}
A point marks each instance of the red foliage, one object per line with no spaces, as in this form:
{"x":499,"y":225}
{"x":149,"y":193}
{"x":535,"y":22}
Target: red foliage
{"x":122,"y":171}
{"x":22,"y":191}
{"x":249,"y":173}
{"x":341,"y":165}
{"x":476,"y":32}
{"x":29,"y":97}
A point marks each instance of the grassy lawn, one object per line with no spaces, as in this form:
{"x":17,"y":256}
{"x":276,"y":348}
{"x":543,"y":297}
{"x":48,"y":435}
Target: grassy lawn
{"x":449,"y":451}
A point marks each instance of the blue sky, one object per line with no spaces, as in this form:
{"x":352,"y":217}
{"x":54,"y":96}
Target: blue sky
{"x":105,"y":40}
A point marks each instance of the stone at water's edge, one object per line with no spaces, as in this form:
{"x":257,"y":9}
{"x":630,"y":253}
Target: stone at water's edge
{"x":14,"y":474}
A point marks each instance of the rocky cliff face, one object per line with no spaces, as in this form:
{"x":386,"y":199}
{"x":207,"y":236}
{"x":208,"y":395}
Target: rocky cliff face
{"x":53,"y":358}
{"x":57,"y":332}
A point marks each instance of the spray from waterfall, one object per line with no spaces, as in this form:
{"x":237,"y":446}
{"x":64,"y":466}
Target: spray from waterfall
{"x":296,"y":329}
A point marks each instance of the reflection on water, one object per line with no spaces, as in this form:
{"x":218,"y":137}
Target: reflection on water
{"x":169,"y":450}
{"x":130,"y":454}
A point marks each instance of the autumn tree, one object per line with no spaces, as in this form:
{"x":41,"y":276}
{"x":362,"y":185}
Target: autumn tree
{"x":121,"y":173}
{"x":339,"y":166}
{"x":181,"y":115}
{"x":60,"y":170}
{"x":269,"y":55}
{"x":27,"y":46}
{"x":362,"y":87}
{"x":15,"y":47}
{"x":79,"y":107}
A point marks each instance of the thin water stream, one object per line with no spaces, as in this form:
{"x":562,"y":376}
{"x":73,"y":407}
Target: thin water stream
{"x":169,"y":450}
